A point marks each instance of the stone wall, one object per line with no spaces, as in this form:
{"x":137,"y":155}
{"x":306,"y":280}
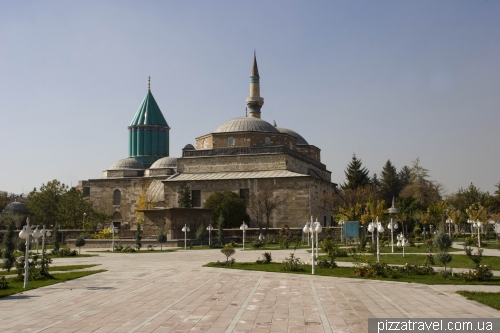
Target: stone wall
{"x":302,"y":196}
{"x":246,"y":139}
{"x":131,"y":189}
{"x":173,"y":220}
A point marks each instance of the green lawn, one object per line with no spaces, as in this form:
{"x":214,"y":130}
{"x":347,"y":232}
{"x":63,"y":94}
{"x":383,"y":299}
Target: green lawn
{"x":458,"y":260}
{"x":55,"y":268}
{"x":348,"y":272}
{"x":489,"y":299}
{"x":138,"y":252}
{"x":17,"y":286}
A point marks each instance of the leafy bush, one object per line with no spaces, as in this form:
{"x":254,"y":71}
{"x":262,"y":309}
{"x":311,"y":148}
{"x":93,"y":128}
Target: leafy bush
{"x":64,"y":252}
{"x":293,"y":264}
{"x":150,"y":248}
{"x":429,"y":260}
{"x":375,"y":269}
{"x":4,"y":284}
{"x":363,"y":241}
{"x":446,"y":274}
{"x":227,"y":251}
{"x":416,"y":270}
{"x":128,"y":249}
{"x":442,"y":240}
{"x":257,"y":244}
{"x":481,"y":272}
{"x":267,"y":258}
{"x":444,"y":258}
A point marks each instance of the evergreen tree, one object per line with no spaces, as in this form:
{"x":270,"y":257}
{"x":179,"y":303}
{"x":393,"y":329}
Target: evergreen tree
{"x":230,"y":206}
{"x":44,"y":204}
{"x":497,"y":192}
{"x":356,"y":175}
{"x":138,"y":237}
{"x":79,"y":242}
{"x":184,"y":199}
{"x":375,"y":182}
{"x":161,"y":238}
{"x":9,"y":247}
{"x":404,"y":176}
{"x":390,"y":185}
{"x":220,"y":231}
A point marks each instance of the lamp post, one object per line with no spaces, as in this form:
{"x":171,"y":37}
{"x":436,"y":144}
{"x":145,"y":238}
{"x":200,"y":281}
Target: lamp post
{"x":84,"y":216}
{"x":380,"y":228}
{"x":402,"y":242}
{"x":243,"y":227}
{"x":36,"y":234}
{"x":210,"y":228}
{"x":25,"y":234}
{"x":477,"y":224}
{"x":185,"y":229}
{"x":449,"y":222}
{"x":312,"y":227}
{"x":392,"y":226}
{"x":113,"y":231}
{"x":318,"y":229}
{"x":341,"y":223}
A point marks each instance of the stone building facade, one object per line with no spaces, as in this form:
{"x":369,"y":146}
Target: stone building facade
{"x":242,"y":155}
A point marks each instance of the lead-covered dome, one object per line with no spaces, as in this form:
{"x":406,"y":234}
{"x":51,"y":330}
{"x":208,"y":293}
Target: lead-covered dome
{"x":297,"y":136}
{"x":16,"y":208}
{"x":246,"y":124}
{"x":165,"y":162}
{"x":127,"y":163}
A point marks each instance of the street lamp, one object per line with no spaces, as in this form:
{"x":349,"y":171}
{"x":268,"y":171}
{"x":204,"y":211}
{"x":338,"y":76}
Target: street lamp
{"x":449,"y":222}
{"x":84,"y":216}
{"x":209,"y":228}
{"x":37,"y":233}
{"x":25,"y":234}
{"x":380,"y":228}
{"x":402,"y":242}
{"x":318,"y":229}
{"x":185,"y":229}
{"x":341,"y":223}
{"x":477,"y":224}
{"x":48,"y":233}
{"x":392,"y":226}
{"x":113,"y":230}
{"x":244,"y":227}
{"x":312,"y":227}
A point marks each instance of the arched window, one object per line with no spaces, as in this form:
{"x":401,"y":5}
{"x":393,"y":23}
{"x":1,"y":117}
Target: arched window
{"x":267,"y":141}
{"x":204,"y":144}
{"x":117,"y":197}
{"x":230,"y":141}
{"x":291,"y":145}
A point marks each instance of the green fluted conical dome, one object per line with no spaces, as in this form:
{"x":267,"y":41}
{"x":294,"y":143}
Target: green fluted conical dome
{"x":149,"y":113}
{"x":148,"y":133}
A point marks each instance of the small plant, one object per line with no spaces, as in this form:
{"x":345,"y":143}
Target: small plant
{"x":446,"y":274}
{"x":200,"y":234}
{"x":429,"y":260}
{"x":138,"y":237}
{"x":64,"y":252}
{"x":375,"y":269}
{"x":363,"y":241}
{"x":4,"y":284}
{"x":481,"y":272}
{"x":444,"y":258}
{"x":150,"y":248}
{"x":79,"y":242}
{"x":257,"y":244}
{"x":416,"y":270}
{"x":128,"y":249}
{"x":428,"y":243}
{"x":118,"y":247}
{"x":267,"y":258}
{"x":161,"y":238}
{"x":293,"y":264}
{"x":228,"y":251}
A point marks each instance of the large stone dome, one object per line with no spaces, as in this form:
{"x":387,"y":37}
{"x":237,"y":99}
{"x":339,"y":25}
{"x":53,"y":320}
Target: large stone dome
{"x":165,"y":162}
{"x":300,"y":139}
{"x":246,"y":124}
{"x":16,"y":208}
{"x":127,"y":163}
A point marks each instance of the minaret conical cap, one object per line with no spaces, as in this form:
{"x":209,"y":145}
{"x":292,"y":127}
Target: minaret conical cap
{"x":255,"y":69}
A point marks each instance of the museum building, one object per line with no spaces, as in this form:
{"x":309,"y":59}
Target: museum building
{"x":242,"y":155}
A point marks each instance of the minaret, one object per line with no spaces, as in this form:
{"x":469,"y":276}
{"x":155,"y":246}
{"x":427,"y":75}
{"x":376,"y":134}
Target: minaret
{"x":255,"y":102}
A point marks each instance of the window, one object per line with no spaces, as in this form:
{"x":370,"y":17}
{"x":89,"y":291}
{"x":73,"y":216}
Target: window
{"x":204,"y":144}
{"x":230,"y":141}
{"x":196,"y":198}
{"x":245,"y":195}
{"x":267,"y":141}
{"x":117,"y":197}
{"x":324,"y":221}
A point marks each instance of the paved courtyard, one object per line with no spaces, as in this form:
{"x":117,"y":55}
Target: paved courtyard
{"x":172,"y":292}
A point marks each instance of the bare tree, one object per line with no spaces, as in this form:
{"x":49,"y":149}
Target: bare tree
{"x":263,"y":203}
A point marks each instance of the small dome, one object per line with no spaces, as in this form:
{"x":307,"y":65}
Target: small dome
{"x":246,"y":124}
{"x":300,"y":139}
{"x":165,"y":162}
{"x":127,"y":163}
{"x":16,"y":207}
{"x":188,"y":147}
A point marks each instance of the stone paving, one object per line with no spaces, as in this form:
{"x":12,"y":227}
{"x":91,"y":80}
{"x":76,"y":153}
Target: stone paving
{"x":172,"y":292}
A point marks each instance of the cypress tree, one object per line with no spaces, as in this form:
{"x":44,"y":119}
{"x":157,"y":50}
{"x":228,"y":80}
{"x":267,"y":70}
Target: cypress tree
{"x":184,"y":199}
{"x":220,"y":231}
{"x":390,"y":185}
{"x":404,"y":176}
{"x":356,"y":175}
{"x":375,"y":182}
{"x":138,"y":237}
{"x":9,"y":247}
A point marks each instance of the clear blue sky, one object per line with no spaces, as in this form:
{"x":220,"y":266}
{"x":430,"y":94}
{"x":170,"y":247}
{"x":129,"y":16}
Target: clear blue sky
{"x":383,"y":79}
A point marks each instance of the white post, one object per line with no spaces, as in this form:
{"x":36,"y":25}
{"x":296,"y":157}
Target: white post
{"x":113,"y":232}
{"x":26,"y":255}
{"x":478,"y":235}
{"x":185,"y":237}
{"x":378,"y":248}
{"x":392,"y":236}
{"x":209,"y":237}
